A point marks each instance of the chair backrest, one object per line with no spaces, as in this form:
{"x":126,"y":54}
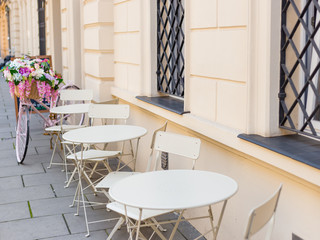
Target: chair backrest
{"x":109,"y":111}
{"x":177,"y":144}
{"x":76,"y":95}
{"x":263,"y":214}
{"x":163,"y":128}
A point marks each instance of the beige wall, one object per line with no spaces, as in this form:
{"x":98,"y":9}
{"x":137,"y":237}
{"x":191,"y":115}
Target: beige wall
{"x":15,"y":28}
{"x":71,"y":41}
{"x":53,"y":33}
{"x":97,"y":51}
{"x":4,"y":31}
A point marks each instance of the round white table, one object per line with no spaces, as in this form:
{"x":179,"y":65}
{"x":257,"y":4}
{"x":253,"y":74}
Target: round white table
{"x":97,"y":135}
{"x":104,"y":134}
{"x":175,"y":190}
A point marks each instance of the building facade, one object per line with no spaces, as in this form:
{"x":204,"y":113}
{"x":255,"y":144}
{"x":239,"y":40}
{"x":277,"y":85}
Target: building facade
{"x":222,"y":62}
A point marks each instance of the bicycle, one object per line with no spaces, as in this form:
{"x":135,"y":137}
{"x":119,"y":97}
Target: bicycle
{"x":23,"y":122}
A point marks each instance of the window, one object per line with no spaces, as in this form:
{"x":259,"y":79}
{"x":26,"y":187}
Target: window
{"x":42,"y":27}
{"x":170,"y":47}
{"x":300,"y":65}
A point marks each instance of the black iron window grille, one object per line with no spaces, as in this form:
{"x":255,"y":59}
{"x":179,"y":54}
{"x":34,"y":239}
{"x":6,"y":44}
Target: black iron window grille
{"x":300,"y":67}
{"x":170,"y":47}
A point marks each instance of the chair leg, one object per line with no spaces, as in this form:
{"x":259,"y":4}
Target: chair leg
{"x":176,"y":225}
{"x":93,"y":169}
{"x":158,"y":225}
{"x":71,"y":177}
{"x":53,"y":152}
{"x":270,"y":227}
{"x":116,"y":227}
{"x":75,"y":196}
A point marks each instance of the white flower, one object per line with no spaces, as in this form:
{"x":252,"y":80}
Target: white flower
{"x":37,"y":73}
{"x":7,"y":75}
{"x":17,"y":77}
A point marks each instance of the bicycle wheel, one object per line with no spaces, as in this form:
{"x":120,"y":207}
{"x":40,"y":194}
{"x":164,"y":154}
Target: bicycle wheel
{"x":22,"y":133}
{"x":80,"y":119}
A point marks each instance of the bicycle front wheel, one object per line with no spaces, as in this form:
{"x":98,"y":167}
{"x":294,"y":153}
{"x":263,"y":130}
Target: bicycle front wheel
{"x":22,"y":133}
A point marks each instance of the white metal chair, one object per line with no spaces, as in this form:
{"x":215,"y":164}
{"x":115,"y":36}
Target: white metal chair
{"x":115,"y":176}
{"x":67,"y":97}
{"x":262,"y":215}
{"x":103,"y":112}
{"x":185,"y":146}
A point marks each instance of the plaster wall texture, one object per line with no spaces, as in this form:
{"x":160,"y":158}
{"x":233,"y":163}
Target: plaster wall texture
{"x":98,"y":47}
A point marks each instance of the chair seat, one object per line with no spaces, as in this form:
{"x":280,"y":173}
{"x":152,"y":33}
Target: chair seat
{"x":112,"y":178}
{"x":57,"y":128}
{"x":93,"y":155}
{"x":134,"y":212}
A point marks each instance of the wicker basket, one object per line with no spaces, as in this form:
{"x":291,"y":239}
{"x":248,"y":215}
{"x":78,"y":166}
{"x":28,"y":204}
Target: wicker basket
{"x":34,"y":94}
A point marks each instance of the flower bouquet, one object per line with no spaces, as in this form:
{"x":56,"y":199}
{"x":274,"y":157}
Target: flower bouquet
{"x":32,"y":79}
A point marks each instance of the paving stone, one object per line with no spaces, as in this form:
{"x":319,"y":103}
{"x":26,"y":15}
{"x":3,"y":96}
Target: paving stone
{"x":52,"y":206}
{"x":8,"y":159}
{"x":14,"y":211}
{"x":188,"y":231}
{"x":4,"y":119}
{"x":44,"y":149}
{"x":147,"y":232}
{"x":11,"y":129}
{"x":7,"y":144}
{"x":11,"y":150}
{"x":94,"y":235}
{"x":31,"y":151}
{"x":61,"y":191}
{"x":25,"y":168}
{"x":10,"y":183}
{"x":100,"y":198}
{"x":43,"y":158}
{"x":77,"y":223}
{"x":54,"y":167}
{"x":4,"y":124}
{"x":7,"y":153}
{"x":37,"y":134}
{"x":44,"y":178}
{"x":35,"y":228}
{"x":5,"y":135}
{"x":36,"y":142}
{"x":26,"y":194}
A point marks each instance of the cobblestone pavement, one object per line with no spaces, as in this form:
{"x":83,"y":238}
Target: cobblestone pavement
{"x":33,"y":201}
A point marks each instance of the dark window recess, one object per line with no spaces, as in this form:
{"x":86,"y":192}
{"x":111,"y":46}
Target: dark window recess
{"x":170,"y":47}
{"x":295,"y":146}
{"x":169,"y":103}
{"x":165,"y":160}
{"x":299,"y":94}
{"x":8,"y":21}
{"x":42,"y":27}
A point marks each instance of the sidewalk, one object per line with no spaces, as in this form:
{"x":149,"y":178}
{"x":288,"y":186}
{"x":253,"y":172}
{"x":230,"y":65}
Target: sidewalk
{"x":34,"y":203}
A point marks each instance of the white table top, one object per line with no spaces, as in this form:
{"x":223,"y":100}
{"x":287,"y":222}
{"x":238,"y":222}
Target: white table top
{"x":173,"y":189}
{"x":70,"y":109}
{"x":104,"y":134}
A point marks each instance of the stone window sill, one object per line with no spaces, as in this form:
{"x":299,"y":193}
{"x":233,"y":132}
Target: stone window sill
{"x":169,"y":103}
{"x":297,"y":147}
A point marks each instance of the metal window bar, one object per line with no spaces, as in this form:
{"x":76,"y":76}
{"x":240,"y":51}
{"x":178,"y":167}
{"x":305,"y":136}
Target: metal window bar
{"x":170,"y":47}
{"x":299,"y":93}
